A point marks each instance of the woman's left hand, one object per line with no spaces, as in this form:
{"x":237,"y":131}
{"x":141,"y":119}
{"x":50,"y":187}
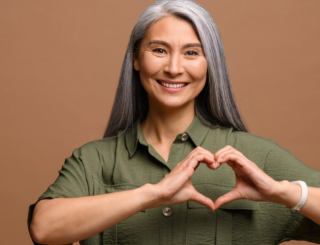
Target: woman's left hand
{"x":251,"y":182}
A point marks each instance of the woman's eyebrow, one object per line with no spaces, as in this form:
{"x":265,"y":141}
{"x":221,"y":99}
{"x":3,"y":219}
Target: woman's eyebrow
{"x":168,"y":45}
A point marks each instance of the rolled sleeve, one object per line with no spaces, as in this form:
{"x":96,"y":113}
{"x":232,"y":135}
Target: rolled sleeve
{"x":71,"y":182}
{"x":282,"y":165}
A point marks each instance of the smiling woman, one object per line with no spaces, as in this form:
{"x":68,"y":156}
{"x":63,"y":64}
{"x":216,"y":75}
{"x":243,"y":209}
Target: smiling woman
{"x":177,"y":164}
{"x":172,"y":66}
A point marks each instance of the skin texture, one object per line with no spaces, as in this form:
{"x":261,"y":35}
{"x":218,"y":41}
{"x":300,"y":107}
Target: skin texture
{"x":67,"y":220}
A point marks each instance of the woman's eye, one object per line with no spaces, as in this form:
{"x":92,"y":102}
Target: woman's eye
{"x":159,"y":50}
{"x":162,"y":51}
{"x":192,"y":53}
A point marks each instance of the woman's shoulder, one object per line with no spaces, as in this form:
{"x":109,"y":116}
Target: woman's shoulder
{"x":249,"y":139}
{"x":100,"y":145}
{"x":96,"y":151}
{"x":96,"y":157}
{"x":237,"y":138}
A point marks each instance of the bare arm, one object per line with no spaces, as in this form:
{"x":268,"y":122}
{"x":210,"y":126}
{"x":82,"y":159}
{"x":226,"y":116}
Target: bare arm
{"x":289,"y":194}
{"x":253,"y":184}
{"x":67,"y":220}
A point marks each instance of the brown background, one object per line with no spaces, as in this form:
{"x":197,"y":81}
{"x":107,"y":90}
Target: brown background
{"x":59,"y":68}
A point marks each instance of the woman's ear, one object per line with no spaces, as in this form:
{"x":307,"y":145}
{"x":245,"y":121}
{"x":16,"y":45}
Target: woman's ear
{"x":136,"y":62}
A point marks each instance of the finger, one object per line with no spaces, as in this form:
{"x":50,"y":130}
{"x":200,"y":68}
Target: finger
{"x":219,"y":152}
{"x":198,"y":197}
{"x":217,"y":155}
{"x":196,"y":166}
{"x":209,"y":162}
{"x":235,"y":157}
{"x":249,"y":171}
{"x":200,"y":158}
{"x":212,"y":165}
{"x":210,"y":154}
{"x":226,"y":150}
{"x":190,"y":165}
{"x":240,"y":163}
{"x":229,"y":197}
{"x":200,"y":150}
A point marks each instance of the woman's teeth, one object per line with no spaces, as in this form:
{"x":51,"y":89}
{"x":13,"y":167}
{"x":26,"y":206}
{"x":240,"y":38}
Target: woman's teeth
{"x":175,"y":85}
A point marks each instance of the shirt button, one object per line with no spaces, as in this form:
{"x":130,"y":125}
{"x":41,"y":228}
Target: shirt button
{"x":184,"y":136}
{"x":166,"y":211}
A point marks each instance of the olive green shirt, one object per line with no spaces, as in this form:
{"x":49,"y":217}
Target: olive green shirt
{"x":128,"y":162}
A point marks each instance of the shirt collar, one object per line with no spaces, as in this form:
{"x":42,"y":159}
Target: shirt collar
{"x":197,"y":132}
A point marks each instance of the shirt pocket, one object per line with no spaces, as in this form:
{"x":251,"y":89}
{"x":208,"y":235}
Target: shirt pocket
{"x":141,"y":228}
{"x":213,"y":227}
{"x":201,"y":224}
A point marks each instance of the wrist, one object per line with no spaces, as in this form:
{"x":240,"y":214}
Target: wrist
{"x":148,"y":196}
{"x":289,"y":194}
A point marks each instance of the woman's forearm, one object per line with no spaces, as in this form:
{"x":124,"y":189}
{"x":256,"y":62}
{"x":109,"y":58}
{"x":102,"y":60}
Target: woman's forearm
{"x":290,"y":195}
{"x":67,"y":220}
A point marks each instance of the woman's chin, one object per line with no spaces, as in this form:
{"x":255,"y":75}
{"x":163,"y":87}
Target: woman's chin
{"x":174,"y":105}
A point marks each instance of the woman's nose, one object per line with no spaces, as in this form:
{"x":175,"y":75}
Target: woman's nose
{"x":174,"y":65}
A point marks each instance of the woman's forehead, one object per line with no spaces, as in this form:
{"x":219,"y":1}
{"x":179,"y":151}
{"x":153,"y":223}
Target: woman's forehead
{"x":171,"y":29}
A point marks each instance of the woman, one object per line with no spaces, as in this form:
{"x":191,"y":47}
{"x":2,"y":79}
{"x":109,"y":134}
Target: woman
{"x":158,"y":176}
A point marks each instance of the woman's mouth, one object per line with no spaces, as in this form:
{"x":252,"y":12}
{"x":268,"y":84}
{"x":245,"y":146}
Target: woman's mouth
{"x":172,"y":85}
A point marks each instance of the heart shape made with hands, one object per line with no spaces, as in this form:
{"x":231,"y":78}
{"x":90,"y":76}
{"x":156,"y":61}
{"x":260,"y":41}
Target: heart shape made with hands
{"x":251,"y":182}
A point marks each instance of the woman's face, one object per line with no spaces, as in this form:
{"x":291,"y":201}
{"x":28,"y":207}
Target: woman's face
{"x":171,"y":63}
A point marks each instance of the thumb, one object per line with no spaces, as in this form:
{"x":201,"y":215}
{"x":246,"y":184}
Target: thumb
{"x":226,"y":198}
{"x":199,"y":198}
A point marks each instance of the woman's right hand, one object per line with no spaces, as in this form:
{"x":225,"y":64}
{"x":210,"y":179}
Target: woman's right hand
{"x":176,"y":187}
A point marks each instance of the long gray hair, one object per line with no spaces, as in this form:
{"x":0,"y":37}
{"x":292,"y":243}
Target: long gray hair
{"x":215,"y":105}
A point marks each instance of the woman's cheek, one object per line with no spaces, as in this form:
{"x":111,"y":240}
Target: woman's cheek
{"x":156,"y":64}
{"x":198,"y":70}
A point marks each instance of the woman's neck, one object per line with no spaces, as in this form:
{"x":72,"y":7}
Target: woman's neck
{"x":161,"y":127}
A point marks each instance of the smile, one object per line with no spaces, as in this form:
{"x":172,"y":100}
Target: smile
{"x":172,"y":85}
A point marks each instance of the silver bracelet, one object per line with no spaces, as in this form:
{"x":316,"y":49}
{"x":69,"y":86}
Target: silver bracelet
{"x":304,"y":195}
